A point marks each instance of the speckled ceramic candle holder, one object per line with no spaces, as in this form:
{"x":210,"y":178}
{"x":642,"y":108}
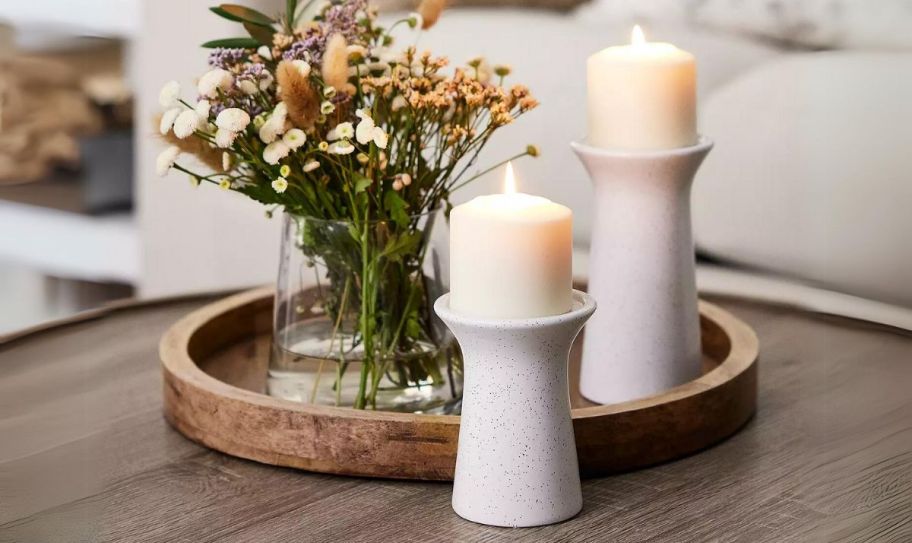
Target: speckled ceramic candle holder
{"x":646,"y":336}
{"x":516,"y":460}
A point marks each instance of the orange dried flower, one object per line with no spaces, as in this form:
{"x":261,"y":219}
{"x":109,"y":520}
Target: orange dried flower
{"x":430,"y":11}
{"x":335,"y":63}
{"x":299,"y":95}
{"x":198,"y":147}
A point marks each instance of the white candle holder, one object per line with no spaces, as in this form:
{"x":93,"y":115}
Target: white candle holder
{"x":646,"y":336}
{"x":516,"y":461}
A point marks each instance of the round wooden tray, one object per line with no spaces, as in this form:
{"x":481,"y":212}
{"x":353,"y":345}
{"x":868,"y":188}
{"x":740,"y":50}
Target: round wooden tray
{"x":215,"y":362}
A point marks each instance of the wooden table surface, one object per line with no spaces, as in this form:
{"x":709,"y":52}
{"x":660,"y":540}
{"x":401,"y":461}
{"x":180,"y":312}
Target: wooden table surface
{"x":85,"y":454}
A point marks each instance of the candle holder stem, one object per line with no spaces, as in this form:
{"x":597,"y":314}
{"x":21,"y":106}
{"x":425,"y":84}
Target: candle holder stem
{"x":516,"y":463}
{"x":646,"y":336}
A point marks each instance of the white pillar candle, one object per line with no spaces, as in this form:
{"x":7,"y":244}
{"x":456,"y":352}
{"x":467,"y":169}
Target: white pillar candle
{"x":642,"y":96}
{"x":510,"y":256}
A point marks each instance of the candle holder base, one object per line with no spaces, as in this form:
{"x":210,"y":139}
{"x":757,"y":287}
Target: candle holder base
{"x":516,"y":463}
{"x":646,"y":337}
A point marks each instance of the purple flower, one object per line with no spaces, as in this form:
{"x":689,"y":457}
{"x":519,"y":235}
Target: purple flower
{"x":254,"y":72}
{"x":341,"y":18}
{"x":225,"y":58}
{"x":310,"y":48}
{"x":247,"y":103}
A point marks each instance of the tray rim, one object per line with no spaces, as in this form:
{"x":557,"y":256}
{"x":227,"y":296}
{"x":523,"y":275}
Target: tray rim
{"x":345,"y":441}
{"x":744,"y":351}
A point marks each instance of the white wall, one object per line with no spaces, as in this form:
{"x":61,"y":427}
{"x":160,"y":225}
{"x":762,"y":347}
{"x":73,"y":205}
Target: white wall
{"x":192,"y":239}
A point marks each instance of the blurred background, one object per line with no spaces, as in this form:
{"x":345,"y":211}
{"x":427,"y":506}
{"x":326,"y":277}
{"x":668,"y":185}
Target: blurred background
{"x":806,"y":199}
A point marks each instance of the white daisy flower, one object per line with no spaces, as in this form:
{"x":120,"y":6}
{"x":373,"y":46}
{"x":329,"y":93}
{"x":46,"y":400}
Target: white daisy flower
{"x":385,"y":53}
{"x":399,"y":102}
{"x":311,"y":166}
{"x":166,"y":159}
{"x":247,"y":86}
{"x":302,"y":66}
{"x":224,"y":138}
{"x":167,"y":120}
{"x":294,"y":138}
{"x":271,"y":130}
{"x":356,"y":51}
{"x":327,"y":107}
{"x":380,"y":138}
{"x":213,"y":81}
{"x":275,"y":151}
{"x":275,"y":125}
{"x":226,"y":161}
{"x":280,"y":184}
{"x":341,"y":147}
{"x":202,"y":109}
{"x":233,"y":119}
{"x":259,"y":121}
{"x":187,"y":123}
{"x":379,"y":66}
{"x":225,"y":184}
{"x":342,"y":131}
{"x":266,"y":80}
{"x":169,"y":96}
{"x":368,"y":131}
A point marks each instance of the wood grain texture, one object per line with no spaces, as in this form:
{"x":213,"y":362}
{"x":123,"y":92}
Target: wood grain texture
{"x":85,"y":454}
{"x":214,"y":363}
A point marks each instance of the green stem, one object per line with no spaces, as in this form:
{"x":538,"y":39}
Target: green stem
{"x":366,"y":332}
{"x":492,"y":168}
{"x":332,"y":340}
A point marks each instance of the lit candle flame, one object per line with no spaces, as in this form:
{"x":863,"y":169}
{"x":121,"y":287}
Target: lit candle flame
{"x":509,"y":180}
{"x":636,"y":36}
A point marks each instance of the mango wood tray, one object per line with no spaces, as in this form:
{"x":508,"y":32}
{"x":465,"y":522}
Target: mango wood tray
{"x":215,"y":362}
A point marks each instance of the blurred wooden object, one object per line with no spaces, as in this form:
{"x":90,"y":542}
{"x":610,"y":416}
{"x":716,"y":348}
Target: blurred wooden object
{"x":47,"y":100}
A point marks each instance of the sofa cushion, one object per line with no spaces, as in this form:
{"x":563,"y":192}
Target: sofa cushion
{"x":810,"y":176}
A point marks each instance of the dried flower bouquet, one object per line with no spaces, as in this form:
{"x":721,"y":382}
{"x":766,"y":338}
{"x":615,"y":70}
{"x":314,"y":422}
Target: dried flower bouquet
{"x":316,"y":114}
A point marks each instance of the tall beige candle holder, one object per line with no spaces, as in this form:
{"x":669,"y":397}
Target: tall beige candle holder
{"x":645,"y":338}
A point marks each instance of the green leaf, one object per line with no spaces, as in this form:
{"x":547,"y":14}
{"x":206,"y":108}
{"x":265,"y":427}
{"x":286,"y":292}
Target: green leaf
{"x":261,"y":34}
{"x":234,"y":43}
{"x":361,"y":182}
{"x":413,"y":325}
{"x":290,"y":7}
{"x":243,"y":13}
{"x":354,"y":233}
{"x":396,"y":207}
{"x":397,"y":247}
{"x":224,"y":14}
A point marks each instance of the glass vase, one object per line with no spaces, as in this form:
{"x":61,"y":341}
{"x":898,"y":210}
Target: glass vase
{"x":353,"y":323}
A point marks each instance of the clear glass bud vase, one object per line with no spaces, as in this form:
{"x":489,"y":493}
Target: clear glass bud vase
{"x":354,"y":325}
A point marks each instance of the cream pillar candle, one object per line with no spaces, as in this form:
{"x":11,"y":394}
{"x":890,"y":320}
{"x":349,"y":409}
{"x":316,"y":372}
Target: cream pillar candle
{"x":510,"y":256}
{"x":642,"y":96}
